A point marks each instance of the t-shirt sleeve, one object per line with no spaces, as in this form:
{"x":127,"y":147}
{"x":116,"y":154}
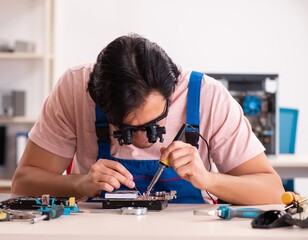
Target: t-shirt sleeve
{"x":55,"y":127}
{"x":232,"y":141}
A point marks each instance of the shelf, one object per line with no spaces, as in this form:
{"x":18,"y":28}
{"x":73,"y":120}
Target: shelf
{"x":21,"y":56}
{"x":12,"y":120}
{"x":32,"y":72}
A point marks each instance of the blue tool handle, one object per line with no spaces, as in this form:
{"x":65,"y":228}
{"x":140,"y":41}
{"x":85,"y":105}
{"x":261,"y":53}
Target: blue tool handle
{"x":227,"y":212}
{"x":54,"y":212}
{"x":246,"y":212}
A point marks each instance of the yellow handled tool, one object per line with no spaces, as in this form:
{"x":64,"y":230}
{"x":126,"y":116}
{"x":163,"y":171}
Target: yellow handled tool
{"x":289,"y":197}
{"x":164,"y":163}
{"x":294,"y":202}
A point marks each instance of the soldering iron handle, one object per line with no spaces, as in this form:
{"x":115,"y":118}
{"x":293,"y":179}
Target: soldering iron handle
{"x":180,"y":133}
{"x":165,"y":163}
{"x":246,"y":212}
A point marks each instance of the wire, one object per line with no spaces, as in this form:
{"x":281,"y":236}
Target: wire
{"x":208,"y":156}
{"x":138,"y":192}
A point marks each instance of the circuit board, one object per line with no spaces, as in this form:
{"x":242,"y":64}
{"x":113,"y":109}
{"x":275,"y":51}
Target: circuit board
{"x":30,"y":203}
{"x":119,"y":199}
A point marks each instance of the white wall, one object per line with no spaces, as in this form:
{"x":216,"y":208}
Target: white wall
{"x":238,"y":36}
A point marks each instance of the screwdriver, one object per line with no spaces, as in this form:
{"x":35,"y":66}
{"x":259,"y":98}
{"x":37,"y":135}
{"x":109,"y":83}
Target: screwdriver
{"x":164,"y":163}
{"x":226,"y":212}
{"x":54,"y":212}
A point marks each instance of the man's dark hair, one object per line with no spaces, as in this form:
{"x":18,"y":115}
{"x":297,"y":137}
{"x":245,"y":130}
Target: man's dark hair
{"x":126,"y":72}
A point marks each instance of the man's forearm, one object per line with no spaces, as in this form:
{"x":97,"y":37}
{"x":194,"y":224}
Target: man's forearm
{"x":259,"y":188}
{"x":31,"y":181}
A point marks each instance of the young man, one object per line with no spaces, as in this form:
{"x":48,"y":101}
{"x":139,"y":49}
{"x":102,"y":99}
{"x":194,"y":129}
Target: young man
{"x":143,"y":94}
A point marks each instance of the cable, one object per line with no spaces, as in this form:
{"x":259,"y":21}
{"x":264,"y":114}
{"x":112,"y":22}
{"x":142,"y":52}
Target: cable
{"x":208,"y":156}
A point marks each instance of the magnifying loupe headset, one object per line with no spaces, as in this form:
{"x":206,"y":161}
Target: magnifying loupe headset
{"x":124,"y":134}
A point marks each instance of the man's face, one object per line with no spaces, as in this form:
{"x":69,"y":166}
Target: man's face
{"x":154,"y":106}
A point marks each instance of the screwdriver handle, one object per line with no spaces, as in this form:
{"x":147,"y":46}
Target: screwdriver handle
{"x":54,"y":212}
{"x":246,"y":212}
{"x":228,"y":213}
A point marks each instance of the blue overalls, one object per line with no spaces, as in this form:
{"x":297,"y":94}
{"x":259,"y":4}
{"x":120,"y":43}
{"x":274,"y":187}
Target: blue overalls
{"x":144,"y":170}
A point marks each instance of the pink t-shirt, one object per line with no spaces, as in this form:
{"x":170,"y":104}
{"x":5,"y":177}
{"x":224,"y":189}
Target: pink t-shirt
{"x":66,"y":125}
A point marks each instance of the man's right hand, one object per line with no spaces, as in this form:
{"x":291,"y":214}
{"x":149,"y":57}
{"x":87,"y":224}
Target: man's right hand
{"x":105,"y":175}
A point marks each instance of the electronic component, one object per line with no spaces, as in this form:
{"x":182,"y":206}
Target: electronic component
{"x":154,"y":201}
{"x":257,"y":94}
{"x":120,"y":194}
{"x":31,"y":203}
{"x":251,"y":105}
{"x":39,"y":203}
{"x":35,"y":209}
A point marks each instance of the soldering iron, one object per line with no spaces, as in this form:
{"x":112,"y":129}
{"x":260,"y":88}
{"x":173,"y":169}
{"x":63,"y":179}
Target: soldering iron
{"x":164,"y":163}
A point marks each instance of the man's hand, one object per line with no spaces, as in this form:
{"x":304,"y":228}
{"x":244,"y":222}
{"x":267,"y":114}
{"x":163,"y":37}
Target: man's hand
{"x":186,"y":161}
{"x":35,"y":177}
{"x":105,"y":175}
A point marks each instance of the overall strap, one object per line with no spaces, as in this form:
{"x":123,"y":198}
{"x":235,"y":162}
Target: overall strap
{"x":193,"y":108}
{"x":102,"y":133}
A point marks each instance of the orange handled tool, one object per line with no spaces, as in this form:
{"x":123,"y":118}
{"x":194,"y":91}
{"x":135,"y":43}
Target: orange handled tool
{"x":294,"y":202}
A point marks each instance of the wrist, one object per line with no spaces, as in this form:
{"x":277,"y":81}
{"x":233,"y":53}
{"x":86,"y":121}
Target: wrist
{"x":78,"y":186}
{"x":210,"y":182}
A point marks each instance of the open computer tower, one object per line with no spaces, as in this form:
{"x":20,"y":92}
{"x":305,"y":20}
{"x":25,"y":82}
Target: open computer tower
{"x":257,"y":94}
